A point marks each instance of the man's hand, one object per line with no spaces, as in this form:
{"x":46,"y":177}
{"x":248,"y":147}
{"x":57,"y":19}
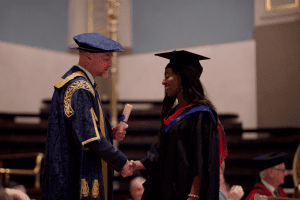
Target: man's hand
{"x":128,"y":168}
{"x":236,"y":192}
{"x":119,"y":134}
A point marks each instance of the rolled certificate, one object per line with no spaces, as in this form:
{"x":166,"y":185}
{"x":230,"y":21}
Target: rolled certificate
{"x":125,"y":116}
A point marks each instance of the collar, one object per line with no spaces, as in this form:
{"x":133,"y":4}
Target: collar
{"x":176,"y":114}
{"x":269,"y":187}
{"x":181,"y":113}
{"x":87,"y":73}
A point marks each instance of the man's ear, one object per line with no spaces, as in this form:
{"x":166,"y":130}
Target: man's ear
{"x":270,"y":172}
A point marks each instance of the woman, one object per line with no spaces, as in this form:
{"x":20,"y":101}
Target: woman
{"x":184,"y":162}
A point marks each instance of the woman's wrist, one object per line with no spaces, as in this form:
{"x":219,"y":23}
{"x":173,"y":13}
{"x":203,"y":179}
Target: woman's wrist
{"x":139,"y":165}
{"x":193,"y":196}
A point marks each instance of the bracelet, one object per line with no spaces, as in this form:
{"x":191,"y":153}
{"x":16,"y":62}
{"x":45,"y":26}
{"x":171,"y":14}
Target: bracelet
{"x":193,"y":195}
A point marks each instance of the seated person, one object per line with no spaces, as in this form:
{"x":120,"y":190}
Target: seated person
{"x":17,"y":191}
{"x":235,"y":193}
{"x":12,"y":194}
{"x":17,"y":194}
{"x":272,"y":175}
{"x":137,"y":188}
{"x":4,"y":195}
{"x":15,"y":185}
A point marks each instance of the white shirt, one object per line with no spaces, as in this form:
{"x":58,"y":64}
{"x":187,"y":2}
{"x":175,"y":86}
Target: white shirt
{"x":269,"y":187}
{"x":87,"y":73}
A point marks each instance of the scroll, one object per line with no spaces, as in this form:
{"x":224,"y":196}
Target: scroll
{"x":125,"y":116}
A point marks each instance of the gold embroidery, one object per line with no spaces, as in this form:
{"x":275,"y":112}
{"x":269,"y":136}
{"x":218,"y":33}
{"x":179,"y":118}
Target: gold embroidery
{"x":84,"y":188}
{"x":95,"y":119}
{"x":81,"y":84}
{"x":61,"y":82}
{"x":95,"y":190}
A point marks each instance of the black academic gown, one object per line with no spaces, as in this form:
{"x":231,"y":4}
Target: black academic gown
{"x":72,"y":170}
{"x":189,"y":147}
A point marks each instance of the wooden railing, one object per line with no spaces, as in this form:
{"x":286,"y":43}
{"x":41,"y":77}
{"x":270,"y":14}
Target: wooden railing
{"x":36,"y":171}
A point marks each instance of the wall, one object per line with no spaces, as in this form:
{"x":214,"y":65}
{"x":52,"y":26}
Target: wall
{"x":278,"y":63}
{"x":28,"y":75}
{"x":38,"y":23}
{"x":229,"y":78}
{"x":172,"y":24}
{"x":278,"y":72}
{"x":156,"y":25}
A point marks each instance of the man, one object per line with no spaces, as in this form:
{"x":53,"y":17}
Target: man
{"x":80,"y":157}
{"x":272,"y":175}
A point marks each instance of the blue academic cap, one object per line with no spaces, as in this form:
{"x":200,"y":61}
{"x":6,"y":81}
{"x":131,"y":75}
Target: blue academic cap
{"x":269,"y":160}
{"x":96,"y":43}
{"x":184,"y":59}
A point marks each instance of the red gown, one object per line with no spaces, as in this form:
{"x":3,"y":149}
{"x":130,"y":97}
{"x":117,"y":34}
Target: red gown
{"x":259,"y":188}
{"x":223,"y":144}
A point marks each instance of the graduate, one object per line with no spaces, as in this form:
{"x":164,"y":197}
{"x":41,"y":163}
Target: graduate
{"x":184,"y":163}
{"x":272,"y":175}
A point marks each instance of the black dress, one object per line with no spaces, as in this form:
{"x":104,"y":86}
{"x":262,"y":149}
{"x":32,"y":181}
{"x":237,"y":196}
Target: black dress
{"x":189,"y":147}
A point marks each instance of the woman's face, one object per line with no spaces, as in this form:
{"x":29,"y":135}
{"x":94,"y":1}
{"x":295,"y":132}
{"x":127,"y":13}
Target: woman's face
{"x":171,"y":82}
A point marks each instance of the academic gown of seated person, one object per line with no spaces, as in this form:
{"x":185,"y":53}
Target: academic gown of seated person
{"x":72,"y":170}
{"x":259,"y":188}
{"x":189,"y":147}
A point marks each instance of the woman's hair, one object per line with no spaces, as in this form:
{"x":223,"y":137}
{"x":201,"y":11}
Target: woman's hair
{"x":193,"y":93}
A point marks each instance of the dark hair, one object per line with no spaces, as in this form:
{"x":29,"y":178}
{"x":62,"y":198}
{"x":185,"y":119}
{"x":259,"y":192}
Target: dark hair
{"x":193,"y":93}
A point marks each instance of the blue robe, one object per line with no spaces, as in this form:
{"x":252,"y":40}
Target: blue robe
{"x":72,"y":170}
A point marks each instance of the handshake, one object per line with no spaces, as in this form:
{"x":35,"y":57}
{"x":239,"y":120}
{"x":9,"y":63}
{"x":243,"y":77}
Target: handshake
{"x":129,"y":168}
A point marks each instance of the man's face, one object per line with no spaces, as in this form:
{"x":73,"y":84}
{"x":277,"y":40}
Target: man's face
{"x":279,"y":174}
{"x":102,"y":61}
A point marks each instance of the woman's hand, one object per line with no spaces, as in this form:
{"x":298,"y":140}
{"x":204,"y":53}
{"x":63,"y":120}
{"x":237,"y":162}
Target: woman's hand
{"x":128,"y":168}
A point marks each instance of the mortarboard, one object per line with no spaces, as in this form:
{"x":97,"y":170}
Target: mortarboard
{"x":96,"y":43}
{"x":184,"y":59}
{"x":269,"y":160}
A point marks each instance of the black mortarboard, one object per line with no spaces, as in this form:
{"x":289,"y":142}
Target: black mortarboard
{"x":269,"y":160}
{"x":184,"y":59}
{"x":96,"y":43}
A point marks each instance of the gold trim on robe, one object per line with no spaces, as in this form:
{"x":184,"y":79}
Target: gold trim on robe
{"x":81,"y":84}
{"x":61,"y":82}
{"x":95,"y":119}
{"x":103,"y":163}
